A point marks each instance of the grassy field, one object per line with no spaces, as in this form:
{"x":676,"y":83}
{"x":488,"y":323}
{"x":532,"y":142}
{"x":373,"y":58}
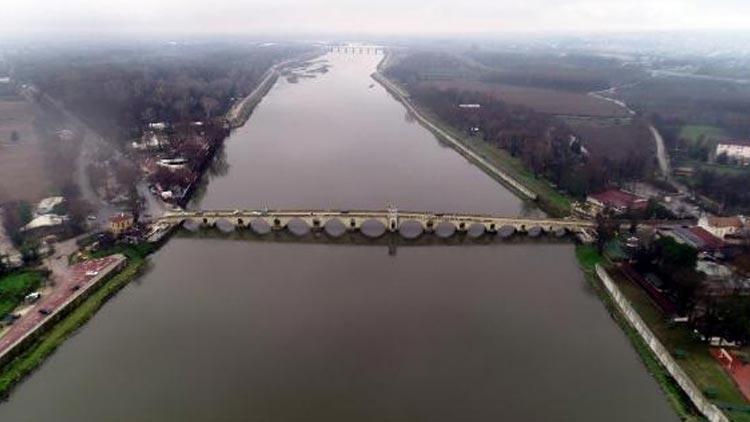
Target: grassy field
{"x":615,"y":141}
{"x":543,"y":100}
{"x":13,"y":288}
{"x":24,"y":364}
{"x":694,"y":132}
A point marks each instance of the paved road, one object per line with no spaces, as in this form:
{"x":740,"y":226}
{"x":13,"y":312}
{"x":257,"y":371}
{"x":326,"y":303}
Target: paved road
{"x":661,"y":153}
{"x":67,"y":283}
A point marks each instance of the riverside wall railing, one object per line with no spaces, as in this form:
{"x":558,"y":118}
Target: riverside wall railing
{"x":708,"y":409}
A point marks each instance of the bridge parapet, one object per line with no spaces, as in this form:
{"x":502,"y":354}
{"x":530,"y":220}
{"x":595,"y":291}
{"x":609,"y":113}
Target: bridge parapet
{"x":391,"y":219}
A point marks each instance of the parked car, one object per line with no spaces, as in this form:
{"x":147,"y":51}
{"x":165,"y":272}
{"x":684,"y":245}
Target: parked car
{"x":45,"y":311}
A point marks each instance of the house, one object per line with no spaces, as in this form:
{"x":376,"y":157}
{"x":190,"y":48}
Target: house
{"x":120,"y":223}
{"x":173,"y":163}
{"x":722,"y":227}
{"x":696,"y":237}
{"x":45,"y":225}
{"x":149,"y":140}
{"x":736,"y":150}
{"x":48,"y":205}
{"x":617,"y":200}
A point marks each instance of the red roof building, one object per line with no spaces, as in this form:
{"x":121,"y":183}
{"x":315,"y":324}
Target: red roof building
{"x":617,"y":200}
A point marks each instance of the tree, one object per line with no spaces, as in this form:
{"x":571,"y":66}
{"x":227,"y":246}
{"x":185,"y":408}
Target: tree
{"x":209,"y":105}
{"x":606,"y":229}
{"x":675,"y":256}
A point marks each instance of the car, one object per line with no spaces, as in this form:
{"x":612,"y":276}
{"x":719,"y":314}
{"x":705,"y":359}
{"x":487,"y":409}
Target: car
{"x":92,"y":273}
{"x":45,"y":311}
{"x":32,"y":297}
{"x":75,"y":288}
{"x":91,"y":217}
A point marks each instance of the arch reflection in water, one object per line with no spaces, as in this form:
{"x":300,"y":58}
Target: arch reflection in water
{"x":410,"y":229}
{"x":259,"y":226}
{"x":297,"y":227}
{"x":334,"y":228}
{"x":372,"y":228}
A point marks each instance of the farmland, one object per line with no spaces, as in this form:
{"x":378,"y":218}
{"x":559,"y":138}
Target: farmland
{"x":548,"y":101}
{"x":21,"y":157}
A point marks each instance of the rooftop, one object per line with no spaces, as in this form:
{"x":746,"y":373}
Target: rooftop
{"x":48,"y":220}
{"x":121,"y":217}
{"x":738,"y":142}
{"x":733,"y":221}
{"x":618,"y":198}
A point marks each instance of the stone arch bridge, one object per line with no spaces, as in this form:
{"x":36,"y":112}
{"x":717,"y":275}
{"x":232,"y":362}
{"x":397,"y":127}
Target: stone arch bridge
{"x":390,"y":219}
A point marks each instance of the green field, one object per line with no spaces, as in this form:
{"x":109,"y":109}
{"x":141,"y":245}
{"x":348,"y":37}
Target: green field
{"x":694,"y":132}
{"x":13,"y":288}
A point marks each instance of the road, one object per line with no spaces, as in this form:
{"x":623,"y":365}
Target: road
{"x":91,"y":141}
{"x":66,"y":283}
{"x":661,"y":154}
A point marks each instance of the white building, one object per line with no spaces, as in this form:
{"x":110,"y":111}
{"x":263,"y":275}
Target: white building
{"x":722,"y":226}
{"x":47,"y":205}
{"x":737,"y":150}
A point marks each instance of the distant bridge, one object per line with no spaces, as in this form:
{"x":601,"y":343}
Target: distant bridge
{"x":391,"y":220}
{"x":349,"y":49}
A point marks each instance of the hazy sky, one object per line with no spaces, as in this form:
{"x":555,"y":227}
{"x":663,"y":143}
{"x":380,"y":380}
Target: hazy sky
{"x":367,"y":17}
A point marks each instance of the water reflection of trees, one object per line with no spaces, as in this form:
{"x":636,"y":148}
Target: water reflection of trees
{"x":219,"y":167}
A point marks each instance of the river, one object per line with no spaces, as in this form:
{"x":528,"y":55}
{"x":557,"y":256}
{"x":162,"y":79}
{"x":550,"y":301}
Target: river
{"x":236,"y":330}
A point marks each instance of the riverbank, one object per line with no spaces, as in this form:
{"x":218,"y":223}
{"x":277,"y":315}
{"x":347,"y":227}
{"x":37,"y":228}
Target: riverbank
{"x":692,"y":363}
{"x":243,"y":109}
{"x":493,"y":161}
{"x":588,"y":259}
{"x":78,"y":312}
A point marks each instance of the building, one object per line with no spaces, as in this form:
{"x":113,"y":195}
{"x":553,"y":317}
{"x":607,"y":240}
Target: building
{"x":120,"y":223}
{"x":696,"y":237}
{"x":735,"y":150}
{"x":616,"y":200}
{"x":173,"y":163}
{"x":48,"y":205}
{"x":722,"y":227}
{"x":45,"y":225}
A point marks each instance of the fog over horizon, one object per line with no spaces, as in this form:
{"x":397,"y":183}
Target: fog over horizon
{"x":385,"y":17}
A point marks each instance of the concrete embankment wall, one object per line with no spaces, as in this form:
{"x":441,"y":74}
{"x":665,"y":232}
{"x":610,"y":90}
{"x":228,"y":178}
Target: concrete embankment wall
{"x":708,"y":409}
{"x":64,"y":309}
{"x":242,"y":110}
{"x":455,"y":143}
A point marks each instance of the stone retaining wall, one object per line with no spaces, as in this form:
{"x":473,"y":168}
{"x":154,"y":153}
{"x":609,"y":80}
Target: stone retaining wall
{"x":708,"y":409}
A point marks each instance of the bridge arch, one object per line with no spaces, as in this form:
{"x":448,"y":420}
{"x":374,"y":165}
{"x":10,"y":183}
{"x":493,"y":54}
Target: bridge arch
{"x":259,"y":226}
{"x":445,"y":229}
{"x":297,"y":227}
{"x":191,"y":224}
{"x":506,"y":231}
{"x":372,"y":228}
{"x":224,"y":225}
{"x":410,"y":229}
{"x":334,"y":227}
{"x":476,"y":230}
